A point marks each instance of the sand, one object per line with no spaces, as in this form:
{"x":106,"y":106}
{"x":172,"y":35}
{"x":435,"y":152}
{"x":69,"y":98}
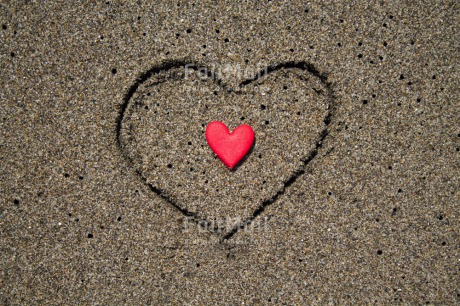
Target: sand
{"x":110,"y":194}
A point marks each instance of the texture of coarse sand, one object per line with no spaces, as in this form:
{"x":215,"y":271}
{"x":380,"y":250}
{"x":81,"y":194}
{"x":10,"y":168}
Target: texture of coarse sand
{"x":110,"y":194}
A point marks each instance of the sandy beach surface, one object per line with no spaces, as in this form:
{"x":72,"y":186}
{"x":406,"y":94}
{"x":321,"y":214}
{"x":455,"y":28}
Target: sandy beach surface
{"x":110,"y":194}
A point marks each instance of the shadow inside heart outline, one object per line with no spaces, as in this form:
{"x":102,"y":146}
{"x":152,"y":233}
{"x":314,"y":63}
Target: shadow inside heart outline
{"x":169,"y":65}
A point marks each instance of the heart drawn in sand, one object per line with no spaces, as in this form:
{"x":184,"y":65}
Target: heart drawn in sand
{"x":230,"y":147}
{"x":166,"y":126}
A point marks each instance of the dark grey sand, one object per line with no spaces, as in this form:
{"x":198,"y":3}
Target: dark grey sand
{"x":110,"y":194}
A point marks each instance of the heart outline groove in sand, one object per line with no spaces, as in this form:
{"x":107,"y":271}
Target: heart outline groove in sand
{"x":304,"y":67}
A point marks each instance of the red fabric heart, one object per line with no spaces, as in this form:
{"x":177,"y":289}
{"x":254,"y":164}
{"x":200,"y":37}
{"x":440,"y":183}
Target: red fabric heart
{"x":229,"y":147}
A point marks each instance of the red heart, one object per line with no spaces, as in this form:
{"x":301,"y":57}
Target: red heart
{"x":229,"y":147}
